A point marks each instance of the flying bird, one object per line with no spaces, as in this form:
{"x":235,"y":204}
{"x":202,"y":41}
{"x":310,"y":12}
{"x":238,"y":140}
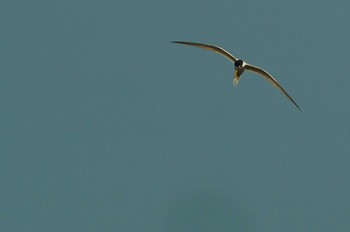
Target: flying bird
{"x":240,"y":66}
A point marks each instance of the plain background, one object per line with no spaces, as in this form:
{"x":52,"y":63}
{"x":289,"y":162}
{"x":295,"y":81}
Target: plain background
{"x":107,"y":126}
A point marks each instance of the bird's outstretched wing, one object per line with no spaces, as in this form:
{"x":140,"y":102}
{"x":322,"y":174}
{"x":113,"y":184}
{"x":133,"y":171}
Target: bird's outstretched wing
{"x":270,"y":79}
{"x":212,"y":48}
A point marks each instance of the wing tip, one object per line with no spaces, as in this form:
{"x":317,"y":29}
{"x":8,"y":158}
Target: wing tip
{"x":299,"y":109}
{"x":296,"y":105}
{"x":179,"y":42}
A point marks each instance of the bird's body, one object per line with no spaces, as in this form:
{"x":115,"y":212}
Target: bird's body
{"x":241,"y":66}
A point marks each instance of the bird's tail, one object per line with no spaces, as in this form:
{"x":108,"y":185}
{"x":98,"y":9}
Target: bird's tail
{"x":235,"y":78}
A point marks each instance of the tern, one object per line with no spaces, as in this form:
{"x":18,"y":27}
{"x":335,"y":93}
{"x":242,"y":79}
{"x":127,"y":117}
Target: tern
{"x":240,"y":66}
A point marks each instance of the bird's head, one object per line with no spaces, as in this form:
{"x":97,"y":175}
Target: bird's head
{"x":238,"y":63}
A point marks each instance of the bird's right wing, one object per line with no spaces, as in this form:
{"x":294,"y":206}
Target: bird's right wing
{"x":212,"y":48}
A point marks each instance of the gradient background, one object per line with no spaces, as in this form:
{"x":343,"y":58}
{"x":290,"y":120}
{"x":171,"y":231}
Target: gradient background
{"x":106,"y":126}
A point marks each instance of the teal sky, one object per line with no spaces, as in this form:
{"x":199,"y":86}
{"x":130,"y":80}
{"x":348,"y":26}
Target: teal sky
{"x":107,"y":126}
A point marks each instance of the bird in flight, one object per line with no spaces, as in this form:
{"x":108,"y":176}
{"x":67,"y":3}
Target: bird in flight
{"x":240,"y":66}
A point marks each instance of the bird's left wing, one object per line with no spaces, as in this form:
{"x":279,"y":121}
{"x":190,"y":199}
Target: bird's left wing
{"x":270,"y":79}
{"x":212,"y":48}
